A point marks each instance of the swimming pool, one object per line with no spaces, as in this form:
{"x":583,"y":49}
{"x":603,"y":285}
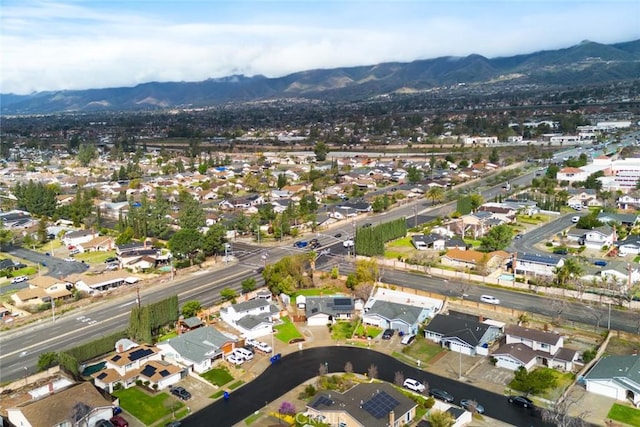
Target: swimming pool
{"x":506,"y":277}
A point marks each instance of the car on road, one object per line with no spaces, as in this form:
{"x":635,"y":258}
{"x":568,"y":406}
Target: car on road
{"x":300,"y":244}
{"x":337,"y":235}
{"x":19,"y":279}
{"x":69,"y":259}
{"x":575,"y":219}
{"x":600,"y":263}
{"x":118,"y":421}
{"x":472,"y":405}
{"x":314,"y":245}
{"x":348,"y":243}
{"x":367,"y":225}
{"x":518,"y":236}
{"x":388,"y":334}
{"x":173,"y":424}
{"x":488,"y":299}
{"x":180,"y":393}
{"x":441,"y":395}
{"x":523,"y":401}
{"x":414,"y":385}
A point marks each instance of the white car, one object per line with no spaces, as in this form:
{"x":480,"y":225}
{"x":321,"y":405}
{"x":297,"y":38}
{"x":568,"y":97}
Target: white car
{"x":235,"y":360}
{"x":348,"y":243}
{"x":264,"y":347}
{"x":242,"y":353}
{"x":19,"y":279}
{"x":69,"y":259}
{"x":489,"y":299}
{"x":575,"y":219}
{"x":414,"y":385}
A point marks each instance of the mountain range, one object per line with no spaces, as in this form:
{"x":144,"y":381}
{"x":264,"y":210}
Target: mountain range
{"x":587,"y":63}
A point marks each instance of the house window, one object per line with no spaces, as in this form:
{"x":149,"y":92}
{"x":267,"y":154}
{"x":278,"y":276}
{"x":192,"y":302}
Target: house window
{"x":543,"y":345}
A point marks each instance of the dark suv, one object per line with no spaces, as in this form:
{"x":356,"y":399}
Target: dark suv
{"x":387,"y":334}
{"x":441,"y":394}
{"x":181,"y":393}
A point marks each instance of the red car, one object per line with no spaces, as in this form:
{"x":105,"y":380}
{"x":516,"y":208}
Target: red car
{"x":118,"y":421}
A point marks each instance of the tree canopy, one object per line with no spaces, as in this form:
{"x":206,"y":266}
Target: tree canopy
{"x":497,"y":238}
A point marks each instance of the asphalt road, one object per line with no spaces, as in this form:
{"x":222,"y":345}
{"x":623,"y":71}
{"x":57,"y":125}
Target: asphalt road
{"x":295,"y":368}
{"x":56,"y":267}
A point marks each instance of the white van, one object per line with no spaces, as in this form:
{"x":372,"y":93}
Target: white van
{"x":407,"y":339}
{"x":243,"y":353}
{"x":489,"y":299}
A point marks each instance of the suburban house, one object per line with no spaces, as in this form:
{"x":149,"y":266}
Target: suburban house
{"x":143,"y":362}
{"x":630,"y":245}
{"x":57,"y":408}
{"x":364,"y":405}
{"x":30,"y":296}
{"x":55,"y":289}
{"x":75,"y":238}
{"x":544,"y":348}
{"x":461,"y":334}
{"x":102,"y":282}
{"x":583,"y":198}
{"x":535,"y":265}
{"x":475,"y":260}
{"x":598,"y":237}
{"x":629,"y":201}
{"x":320,"y":311}
{"x":257,"y":306}
{"x":398,"y":310}
{"x":617,"y":377}
{"x":623,"y":219}
{"x":197,"y":349}
{"x":571,"y":174}
{"x":98,"y":243}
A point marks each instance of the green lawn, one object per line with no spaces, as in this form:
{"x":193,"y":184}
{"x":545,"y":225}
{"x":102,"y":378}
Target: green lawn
{"x":625,"y":414}
{"x":368,"y":331}
{"x":422,"y":349}
{"x":342,"y":330}
{"x":405,"y":242}
{"x":473,"y":242}
{"x":96,"y":257}
{"x":287,"y":331}
{"x":217,"y":376}
{"x":26,"y":271}
{"x":168,"y":336}
{"x":145,"y":407}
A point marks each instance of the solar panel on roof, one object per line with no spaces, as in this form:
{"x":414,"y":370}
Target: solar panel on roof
{"x":342,"y":301}
{"x":380,"y":405}
{"x":322,"y":400}
{"x":164,"y":373}
{"x":116,"y":358}
{"x":148,"y":371}
{"x":102,"y":375}
{"x":140,"y":353}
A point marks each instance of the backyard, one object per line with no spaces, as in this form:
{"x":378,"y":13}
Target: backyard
{"x":146,"y":407}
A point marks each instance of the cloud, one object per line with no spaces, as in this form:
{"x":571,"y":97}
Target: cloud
{"x":56,"y":45}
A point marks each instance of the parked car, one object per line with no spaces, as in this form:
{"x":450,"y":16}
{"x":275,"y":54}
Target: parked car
{"x":110,"y":259}
{"x":560,"y":251}
{"x":263,"y":347}
{"x":441,"y":394}
{"x":575,"y":219}
{"x":348,"y":243}
{"x":518,"y":236}
{"x":489,"y":299}
{"x":69,"y":259}
{"x":74,"y":252}
{"x":600,"y":263}
{"x":407,"y":339}
{"x":388,"y":334}
{"x":367,"y":225}
{"x":234,"y":359}
{"x":104,"y":423}
{"x":314,"y":245}
{"x":118,"y":421}
{"x":337,"y":235}
{"x":523,"y":401}
{"x":300,"y":244}
{"x":414,"y":385}
{"x":180,"y":393}
{"x":111,"y":267}
{"x":472,"y":405}
{"x":19,"y":279}
{"x":243,"y":353}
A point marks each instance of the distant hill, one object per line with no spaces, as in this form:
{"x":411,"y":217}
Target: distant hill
{"x":584,"y":64}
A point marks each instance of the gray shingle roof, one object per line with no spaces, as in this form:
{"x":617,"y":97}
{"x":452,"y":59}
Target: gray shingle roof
{"x":451,"y":326}
{"x":199,"y":344}
{"x":619,"y":368}
{"x":250,"y":321}
{"x":518,"y":351}
{"x":329,"y":305}
{"x":250,"y":305}
{"x":394,"y":311}
{"x":534,"y":334}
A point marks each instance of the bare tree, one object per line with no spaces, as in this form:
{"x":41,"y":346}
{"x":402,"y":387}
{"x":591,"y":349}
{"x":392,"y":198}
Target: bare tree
{"x":462,"y":288}
{"x":372,"y":371}
{"x":558,"y":307}
{"x":558,"y":412}
{"x":348,"y":367}
{"x":426,"y":388}
{"x":596,"y":314}
{"x":398,"y":378}
{"x":363,"y":291}
{"x":323,"y":370}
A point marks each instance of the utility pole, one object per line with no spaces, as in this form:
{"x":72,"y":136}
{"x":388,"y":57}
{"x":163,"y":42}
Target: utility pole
{"x":138,"y":298}
{"x":415,"y":215}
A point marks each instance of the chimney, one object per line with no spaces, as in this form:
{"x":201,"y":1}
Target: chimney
{"x":50,"y":388}
{"x":120,"y":348}
{"x":392,"y":418}
{"x":145,"y":243}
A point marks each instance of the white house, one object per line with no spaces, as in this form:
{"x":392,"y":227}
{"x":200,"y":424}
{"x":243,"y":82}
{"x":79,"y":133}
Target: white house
{"x":536,"y":265}
{"x":399,"y":310}
{"x":599,"y":237}
{"x":546,"y":342}
{"x":617,"y":377}
{"x":75,"y":238}
{"x":256,"y":307}
{"x":630,"y":245}
{"x":515,"y":356}
{"x":571,"y":175}
{"x":320,"y":311}
{"x":461,"y":334}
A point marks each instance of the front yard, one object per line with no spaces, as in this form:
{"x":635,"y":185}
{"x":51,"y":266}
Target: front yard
{"x":147,"y":407}
{"x":625,"y":414}
{"x":422,"y":349}
{"x":217,"y":376}
{"x":96,"y":257}
{"x":287,"y":331}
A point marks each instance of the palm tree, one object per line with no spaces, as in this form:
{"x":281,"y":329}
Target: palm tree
{"x":435,"y":193}
{"x":569,"y":269}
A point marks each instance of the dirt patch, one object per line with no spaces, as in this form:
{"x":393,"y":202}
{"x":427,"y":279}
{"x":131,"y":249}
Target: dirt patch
{"x":622,"y":347}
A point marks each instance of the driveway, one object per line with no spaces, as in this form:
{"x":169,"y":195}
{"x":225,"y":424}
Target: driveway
{"x":57,"y":267}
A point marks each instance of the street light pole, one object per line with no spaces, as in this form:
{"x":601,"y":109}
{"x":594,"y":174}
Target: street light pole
{"x":609,"y":319}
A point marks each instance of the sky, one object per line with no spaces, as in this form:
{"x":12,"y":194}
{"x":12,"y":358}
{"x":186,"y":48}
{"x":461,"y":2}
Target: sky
{"x":83,"y":44}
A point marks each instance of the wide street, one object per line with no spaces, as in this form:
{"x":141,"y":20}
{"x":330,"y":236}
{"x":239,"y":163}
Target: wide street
{"x":295,"y":368}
